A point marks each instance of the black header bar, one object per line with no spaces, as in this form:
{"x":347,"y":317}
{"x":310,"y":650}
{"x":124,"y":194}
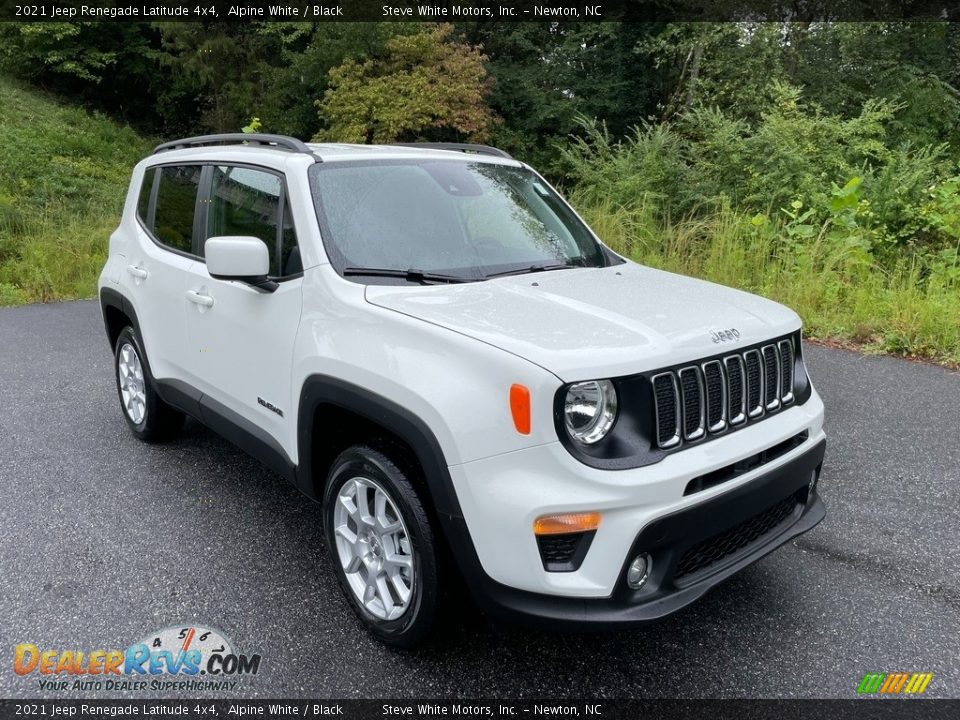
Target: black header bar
{"x":480,"y":10}
{"x":207,"y":708}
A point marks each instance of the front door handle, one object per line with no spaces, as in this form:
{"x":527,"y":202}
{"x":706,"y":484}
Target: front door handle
{"x":137,"y":272}
{"x":198,"y":299}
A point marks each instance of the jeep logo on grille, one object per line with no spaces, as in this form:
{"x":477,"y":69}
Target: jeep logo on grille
{"x":722,"y":336}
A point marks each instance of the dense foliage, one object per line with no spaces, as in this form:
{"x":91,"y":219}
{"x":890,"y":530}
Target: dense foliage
{"x":813,"y":162}
{"x":424,"y":87}
{"x":708,"y":159}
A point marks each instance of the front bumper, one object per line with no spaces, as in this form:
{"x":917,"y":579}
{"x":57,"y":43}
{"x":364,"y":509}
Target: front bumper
{"x":782,"y":496}
{"x":501,"y":496}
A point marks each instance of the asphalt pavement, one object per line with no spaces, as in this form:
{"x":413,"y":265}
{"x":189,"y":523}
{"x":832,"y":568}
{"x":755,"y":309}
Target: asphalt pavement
{"x":104,"y":540}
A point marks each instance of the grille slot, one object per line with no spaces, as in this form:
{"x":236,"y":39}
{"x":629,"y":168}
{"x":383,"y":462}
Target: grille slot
{"x":715,"y":549}
{"x":667,"y":400}
{"x":771,"y":379}
{"x":786,"y":371}
{"x":754,"y":383}
{"x":713,"y":397}
{"x":736,"y":397}
{"x":691,"y":392}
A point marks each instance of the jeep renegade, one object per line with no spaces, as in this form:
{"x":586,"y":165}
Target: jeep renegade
{"x":429,"y":341}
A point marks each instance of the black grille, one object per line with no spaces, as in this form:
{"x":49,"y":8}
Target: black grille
{"x":786,"y":371}
{"x":559,"y":548}
{"x":735,"y":398}
{"x":719,"y":547}
{"x":754,"y":399}
{"x":697,"y":400}
{"x":772,"y":385}
{"x":713,"y":381}
{"x":564,"y":552}
{"x":692,"y":402}
{"x":664,"y":387}
{"x":729,"y":472}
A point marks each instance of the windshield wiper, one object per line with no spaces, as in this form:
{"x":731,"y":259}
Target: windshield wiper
{"x":411,"y":274}
{"x":537,"y":267}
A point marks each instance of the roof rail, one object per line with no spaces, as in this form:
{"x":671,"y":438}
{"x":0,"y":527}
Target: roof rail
{"x":280,"y":141}
{"x":459,"y":147}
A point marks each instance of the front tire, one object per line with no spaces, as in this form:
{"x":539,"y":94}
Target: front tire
{"x":382,"y":545}
{"x":148,"y":417}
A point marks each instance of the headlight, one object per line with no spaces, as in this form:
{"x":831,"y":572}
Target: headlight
{"x":589,"y":410}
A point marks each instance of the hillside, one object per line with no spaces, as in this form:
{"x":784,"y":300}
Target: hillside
{"x":63,"y":175}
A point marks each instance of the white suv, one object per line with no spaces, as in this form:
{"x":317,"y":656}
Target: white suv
{"x":431,"y":342}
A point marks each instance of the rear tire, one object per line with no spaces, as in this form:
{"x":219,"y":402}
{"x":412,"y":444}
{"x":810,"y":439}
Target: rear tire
{"x":382,"y":546}
{"x":149,"y":418}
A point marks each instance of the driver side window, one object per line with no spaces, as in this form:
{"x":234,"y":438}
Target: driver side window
{"x":252,"y":203}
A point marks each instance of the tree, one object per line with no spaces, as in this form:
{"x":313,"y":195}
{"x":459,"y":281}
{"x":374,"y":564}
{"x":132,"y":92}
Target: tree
{"x":548,"y":74}
{"x":103,"y":64}
{"x":300,"y":71}
{"x":837,"y":66}
{"x":425,"y":86}
{"x":218,"y":76}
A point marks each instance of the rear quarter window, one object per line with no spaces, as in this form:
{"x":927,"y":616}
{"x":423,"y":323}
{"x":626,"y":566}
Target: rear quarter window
{"x":143,"y":201}
{"x":176,"y":205}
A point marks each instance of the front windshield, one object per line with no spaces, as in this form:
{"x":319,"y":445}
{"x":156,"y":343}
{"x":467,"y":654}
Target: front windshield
{"x":466,"y":220}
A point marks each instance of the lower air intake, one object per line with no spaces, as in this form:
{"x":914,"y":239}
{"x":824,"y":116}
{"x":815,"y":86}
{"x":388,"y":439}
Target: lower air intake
{"x":724,"y":546}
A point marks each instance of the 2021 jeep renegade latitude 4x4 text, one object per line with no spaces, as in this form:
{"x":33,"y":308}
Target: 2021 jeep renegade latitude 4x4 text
{"x":428,"y":340}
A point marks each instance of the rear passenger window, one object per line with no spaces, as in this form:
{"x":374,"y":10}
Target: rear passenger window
{"x":143,"y":202}
{"x":176,"y":203}
{"x":248,"y":202}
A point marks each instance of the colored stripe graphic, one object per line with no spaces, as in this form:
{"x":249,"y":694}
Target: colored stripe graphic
{"x":871,"y":683}
{"x":918,"y":682}
{"x":894,"y":683}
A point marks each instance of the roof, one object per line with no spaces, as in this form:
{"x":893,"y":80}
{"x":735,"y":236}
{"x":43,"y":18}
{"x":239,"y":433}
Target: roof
{"x":333,"y":152}
{"x":213,"y":146}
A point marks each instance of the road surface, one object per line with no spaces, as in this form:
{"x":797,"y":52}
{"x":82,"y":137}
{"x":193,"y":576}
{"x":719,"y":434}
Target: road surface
{"x":105,"y":540}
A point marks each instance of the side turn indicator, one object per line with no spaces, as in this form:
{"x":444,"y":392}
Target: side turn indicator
{"x":520,"y":408}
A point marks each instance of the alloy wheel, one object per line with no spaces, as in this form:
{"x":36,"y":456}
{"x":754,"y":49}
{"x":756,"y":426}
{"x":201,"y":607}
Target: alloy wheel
{"x":132,"y":384}
{"x":374,"y":548}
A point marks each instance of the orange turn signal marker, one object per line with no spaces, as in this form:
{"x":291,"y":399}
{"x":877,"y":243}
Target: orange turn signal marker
{"x":520,"y":408}
{"x":566,"y":523}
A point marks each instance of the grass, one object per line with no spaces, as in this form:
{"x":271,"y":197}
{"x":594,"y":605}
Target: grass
{"x":63,"y":178}
{"x":840,"y":292}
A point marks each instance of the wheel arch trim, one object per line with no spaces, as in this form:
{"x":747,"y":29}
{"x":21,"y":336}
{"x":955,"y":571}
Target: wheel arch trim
{"x":320,"y":390}
{"x":110,"y":298}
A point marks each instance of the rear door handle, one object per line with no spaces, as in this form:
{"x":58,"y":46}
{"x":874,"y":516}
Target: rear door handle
{"x":198,"y":299}
{"x":137,"y":271}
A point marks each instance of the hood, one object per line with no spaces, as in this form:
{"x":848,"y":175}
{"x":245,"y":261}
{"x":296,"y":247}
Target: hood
{"x":592,"y":323}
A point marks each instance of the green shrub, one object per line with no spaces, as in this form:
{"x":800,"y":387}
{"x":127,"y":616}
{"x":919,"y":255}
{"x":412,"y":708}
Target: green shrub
{"x":11,"y":295}
{"x":707,"y":160}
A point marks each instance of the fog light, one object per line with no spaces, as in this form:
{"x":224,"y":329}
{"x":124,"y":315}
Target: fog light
{"x":639,"y":571}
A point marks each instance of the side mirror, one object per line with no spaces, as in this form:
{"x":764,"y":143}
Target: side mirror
{"x":240,"y":258}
